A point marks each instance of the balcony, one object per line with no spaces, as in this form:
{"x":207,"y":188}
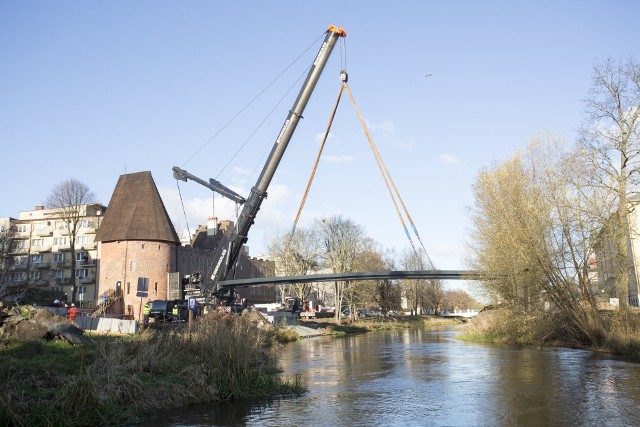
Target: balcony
{"x":88,"y":262}
{"x":44,"y":248}
{"x":61,"y":281}
{"x":87,"y":280}
{"x":44,"y":232}
{"x":41,"y":265}
{"x":64,"y":248}
{"x":21,"y":266}
{"x":88,"y":230}
{"x":19,"y":251}
{"x":88,"y":246}
{"x":60,"y":264}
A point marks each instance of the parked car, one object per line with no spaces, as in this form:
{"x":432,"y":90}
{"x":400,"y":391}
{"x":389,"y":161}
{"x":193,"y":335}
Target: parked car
{"x":161,"y":310}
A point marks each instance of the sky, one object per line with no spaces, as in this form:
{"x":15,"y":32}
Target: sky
{"x":94,"y":90}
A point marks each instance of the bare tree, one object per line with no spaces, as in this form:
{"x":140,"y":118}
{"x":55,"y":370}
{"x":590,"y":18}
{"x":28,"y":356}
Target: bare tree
{"x":457,"y":299}
{"x":69,"y":199}
{"x":421,"y":293}
{"x":8,"y":286}
{"x":531,"y":221}
{"x":17,"y":280}
{"x":384,"y":294}
{"x":610,"y":136}
{"x":296,"y":255}
{"x":340,"y":241}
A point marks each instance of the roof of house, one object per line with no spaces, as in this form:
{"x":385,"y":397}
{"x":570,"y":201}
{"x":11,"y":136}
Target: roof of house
{"x":136,"y":212}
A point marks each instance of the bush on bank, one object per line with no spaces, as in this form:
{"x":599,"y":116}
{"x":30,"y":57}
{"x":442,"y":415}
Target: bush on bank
{"x":620,"y":330}
{"x":116,"y":379}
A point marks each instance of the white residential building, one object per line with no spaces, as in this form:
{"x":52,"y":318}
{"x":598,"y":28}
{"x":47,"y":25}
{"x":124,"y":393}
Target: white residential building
{"x":41,"y":251}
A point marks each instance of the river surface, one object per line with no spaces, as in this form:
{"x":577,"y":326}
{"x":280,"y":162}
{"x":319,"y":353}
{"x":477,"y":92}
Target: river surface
{"x":428,"y":377}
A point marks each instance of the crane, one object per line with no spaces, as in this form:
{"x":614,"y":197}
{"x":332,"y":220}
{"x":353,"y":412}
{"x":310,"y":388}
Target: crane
{"x":228,"y":251}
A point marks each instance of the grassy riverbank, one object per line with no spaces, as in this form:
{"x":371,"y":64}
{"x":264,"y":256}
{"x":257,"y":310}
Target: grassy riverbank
{"x":620,"y":331}
{"x":331,"y":327}
{"x":116,"y":379}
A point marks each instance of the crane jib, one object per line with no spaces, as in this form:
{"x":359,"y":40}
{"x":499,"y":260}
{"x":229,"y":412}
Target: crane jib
{"x":284,"y":129}
{"x":228,"y":258}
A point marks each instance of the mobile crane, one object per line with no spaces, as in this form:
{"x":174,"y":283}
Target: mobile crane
{"x":228,"y":251}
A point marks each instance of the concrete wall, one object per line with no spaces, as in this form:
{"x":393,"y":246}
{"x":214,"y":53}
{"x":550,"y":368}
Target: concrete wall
{"x":99,"y":324}
{"x":103,"y":324}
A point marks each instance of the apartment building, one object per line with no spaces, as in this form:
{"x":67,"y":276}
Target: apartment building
{"x":40,"y":252}
{"x":605,"y":261}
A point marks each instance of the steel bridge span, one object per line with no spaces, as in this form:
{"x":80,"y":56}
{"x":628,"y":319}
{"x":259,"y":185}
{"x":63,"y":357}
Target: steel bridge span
{"x":373,"y":275}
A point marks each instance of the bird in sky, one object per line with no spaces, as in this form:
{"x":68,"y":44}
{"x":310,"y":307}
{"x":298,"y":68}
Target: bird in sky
{"x":428,"y":75}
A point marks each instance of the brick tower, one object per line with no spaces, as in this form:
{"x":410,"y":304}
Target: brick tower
{"x":137,"y":245}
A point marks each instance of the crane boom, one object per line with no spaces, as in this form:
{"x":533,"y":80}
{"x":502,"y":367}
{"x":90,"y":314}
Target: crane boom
{"x":229,"y":251}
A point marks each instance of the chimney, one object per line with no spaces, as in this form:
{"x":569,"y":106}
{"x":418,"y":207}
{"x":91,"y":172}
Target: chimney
{"x":212,"y":226}
{"x":39,"y":208}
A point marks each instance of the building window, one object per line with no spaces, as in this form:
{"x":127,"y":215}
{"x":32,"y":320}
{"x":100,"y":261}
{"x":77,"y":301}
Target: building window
{"x":37,"y":242}
{"x":82,"y":240}
{"x":36,"y":259}
{"x":58,"y":257}
{"x":82,"y":290}
{"x":85,"y":223}
{"x":58,"y":274}
{"x":58,"y":290}
{"x":128,"y":287}
{"x":16,"y":277}
{"x":156,"y":288}
{"x":133,"y":266}
{"x":20,"y":244}
{"x":81,"y":256}
{"x":61,"y":225}
{"x":82,"y":272}
{"x":34,"y":275}
{"x":19,"y":260}
{"x":59,"y":241}
{"x":22,"y":228}
{"x":40,"y":226}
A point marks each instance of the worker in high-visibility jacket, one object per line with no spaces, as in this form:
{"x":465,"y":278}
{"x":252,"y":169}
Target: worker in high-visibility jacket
{"x":72,"y":312}
{"x":146,"y":311}
{"x":205,"y":310}
{"x":175,"y":313}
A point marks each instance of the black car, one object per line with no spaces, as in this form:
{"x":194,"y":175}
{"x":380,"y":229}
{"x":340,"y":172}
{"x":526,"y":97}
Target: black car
{"x":161,"y":310}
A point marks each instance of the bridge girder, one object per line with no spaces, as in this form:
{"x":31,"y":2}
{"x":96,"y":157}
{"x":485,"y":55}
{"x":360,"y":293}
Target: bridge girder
{"x":373,"y":275}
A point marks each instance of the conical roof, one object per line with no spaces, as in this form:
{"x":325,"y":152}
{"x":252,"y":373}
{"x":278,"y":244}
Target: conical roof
{"x":136,"y":212}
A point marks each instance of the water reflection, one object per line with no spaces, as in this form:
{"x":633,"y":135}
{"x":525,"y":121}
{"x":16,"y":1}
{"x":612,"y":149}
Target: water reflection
{"x":426,"y":377}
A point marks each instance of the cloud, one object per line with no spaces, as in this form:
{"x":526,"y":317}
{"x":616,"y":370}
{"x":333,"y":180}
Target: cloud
{"x":319,"y":136}
{"x":386,"y":131}
{"x":338,"y":159}
{"x":386,"y":126}
{"x":449,"y":159}
{"x":446,"y":250}
{"x":241,"y":170}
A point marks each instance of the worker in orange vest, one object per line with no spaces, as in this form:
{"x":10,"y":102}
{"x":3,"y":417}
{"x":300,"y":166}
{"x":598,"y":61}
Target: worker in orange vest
{"x":72,"y":312}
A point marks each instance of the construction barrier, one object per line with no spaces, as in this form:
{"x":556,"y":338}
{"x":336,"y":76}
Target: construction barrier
{"x":99,"y":324}
{"x":107,"y":325}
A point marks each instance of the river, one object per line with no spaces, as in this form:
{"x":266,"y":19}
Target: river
{"x":428,"y":377}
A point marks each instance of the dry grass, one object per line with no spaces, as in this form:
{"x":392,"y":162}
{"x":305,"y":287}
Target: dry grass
{"x":119,"y":378}
{"x":623,"y":333}
{"x":506,"y":327}
{"x":620,"y":331}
